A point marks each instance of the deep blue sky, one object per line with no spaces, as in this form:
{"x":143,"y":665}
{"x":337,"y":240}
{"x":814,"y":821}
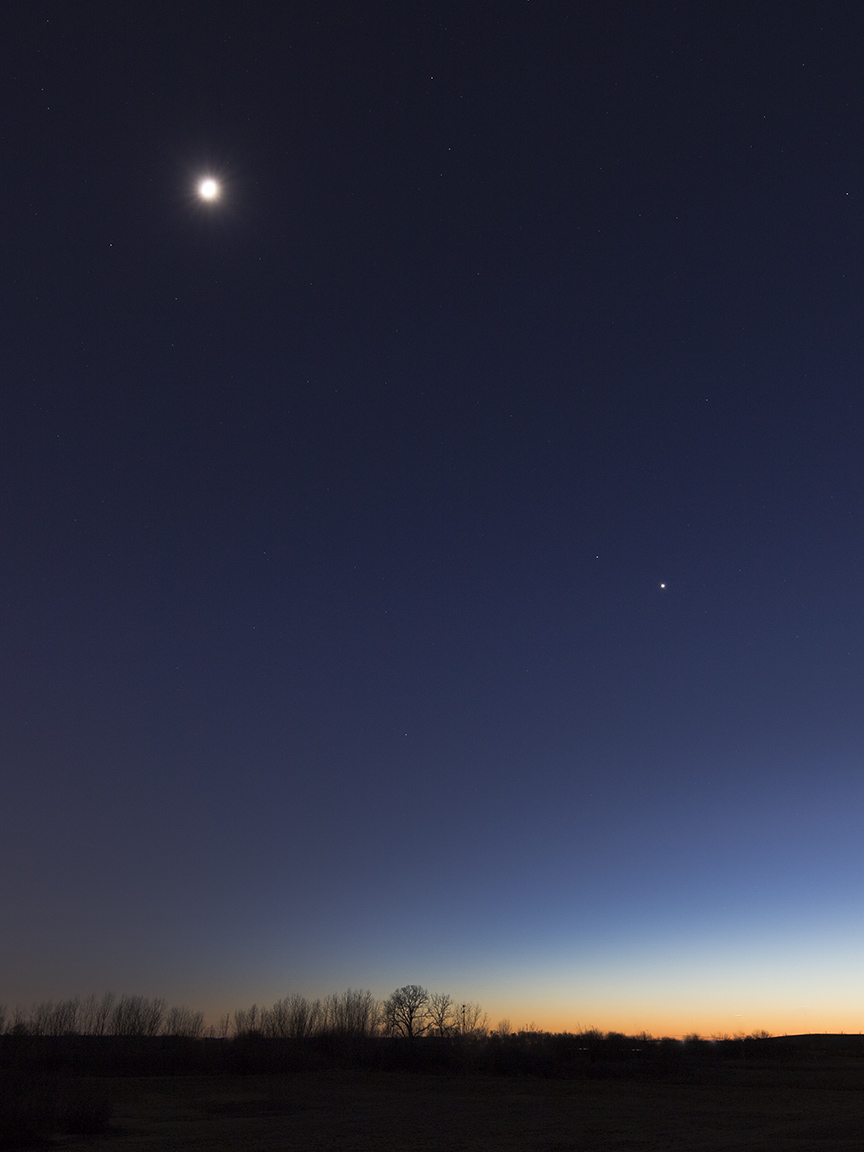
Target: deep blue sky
{"x":336,"y":514}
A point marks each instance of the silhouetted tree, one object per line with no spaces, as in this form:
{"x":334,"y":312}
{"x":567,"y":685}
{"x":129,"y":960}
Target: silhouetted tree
{"x":442,"y":1014}
{"x":50,"y":1018}
{"x":249,"y":1021}
{"x":406,"y":1012}
{"x":471,"y":1020}
{"x":351,"y":1013}
{"x":296,"y":1017}
{"x":96,"y":1014}
{"x":449,"y":1017}
{"x":182,"y":1021}
{"x":137,"y":1016}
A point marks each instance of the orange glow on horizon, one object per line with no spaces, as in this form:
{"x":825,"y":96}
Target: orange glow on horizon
{"x":657,"y":1024}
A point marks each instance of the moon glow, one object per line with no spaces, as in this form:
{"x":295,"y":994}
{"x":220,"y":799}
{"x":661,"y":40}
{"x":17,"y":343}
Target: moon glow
{"x":208,"y":188}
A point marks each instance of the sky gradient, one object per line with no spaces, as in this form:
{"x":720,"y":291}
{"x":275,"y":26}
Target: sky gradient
{"x":439,"y":559}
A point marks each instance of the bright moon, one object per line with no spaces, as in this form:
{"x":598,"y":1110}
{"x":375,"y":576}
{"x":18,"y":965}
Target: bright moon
{"x":208,"y":189}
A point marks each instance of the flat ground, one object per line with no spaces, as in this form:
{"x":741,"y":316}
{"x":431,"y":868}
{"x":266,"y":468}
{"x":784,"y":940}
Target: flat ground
{"x":759,"y":1109}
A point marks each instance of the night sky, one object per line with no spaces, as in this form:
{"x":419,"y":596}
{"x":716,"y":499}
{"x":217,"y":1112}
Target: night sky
{"x":438,"y":559}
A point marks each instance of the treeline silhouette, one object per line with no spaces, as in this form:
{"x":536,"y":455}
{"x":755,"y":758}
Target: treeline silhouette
{"x":412,"y":1030}
{"x":108,"y":1015}
{"x":410,"y":1012}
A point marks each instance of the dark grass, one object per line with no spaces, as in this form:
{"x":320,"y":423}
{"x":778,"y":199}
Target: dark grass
{"x":38,"y":1106}
{"x":784,"y":1109}
{"x":528,"y":1091}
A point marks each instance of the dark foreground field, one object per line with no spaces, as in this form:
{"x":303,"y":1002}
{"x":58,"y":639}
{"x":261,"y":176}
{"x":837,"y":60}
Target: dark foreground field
{"x":771,"y":1109}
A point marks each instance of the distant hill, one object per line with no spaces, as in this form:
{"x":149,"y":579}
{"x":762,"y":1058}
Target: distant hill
{"x":821,"y":1041}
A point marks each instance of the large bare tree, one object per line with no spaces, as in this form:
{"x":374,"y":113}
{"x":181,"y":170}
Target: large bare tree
{"x":406,"y":1012}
